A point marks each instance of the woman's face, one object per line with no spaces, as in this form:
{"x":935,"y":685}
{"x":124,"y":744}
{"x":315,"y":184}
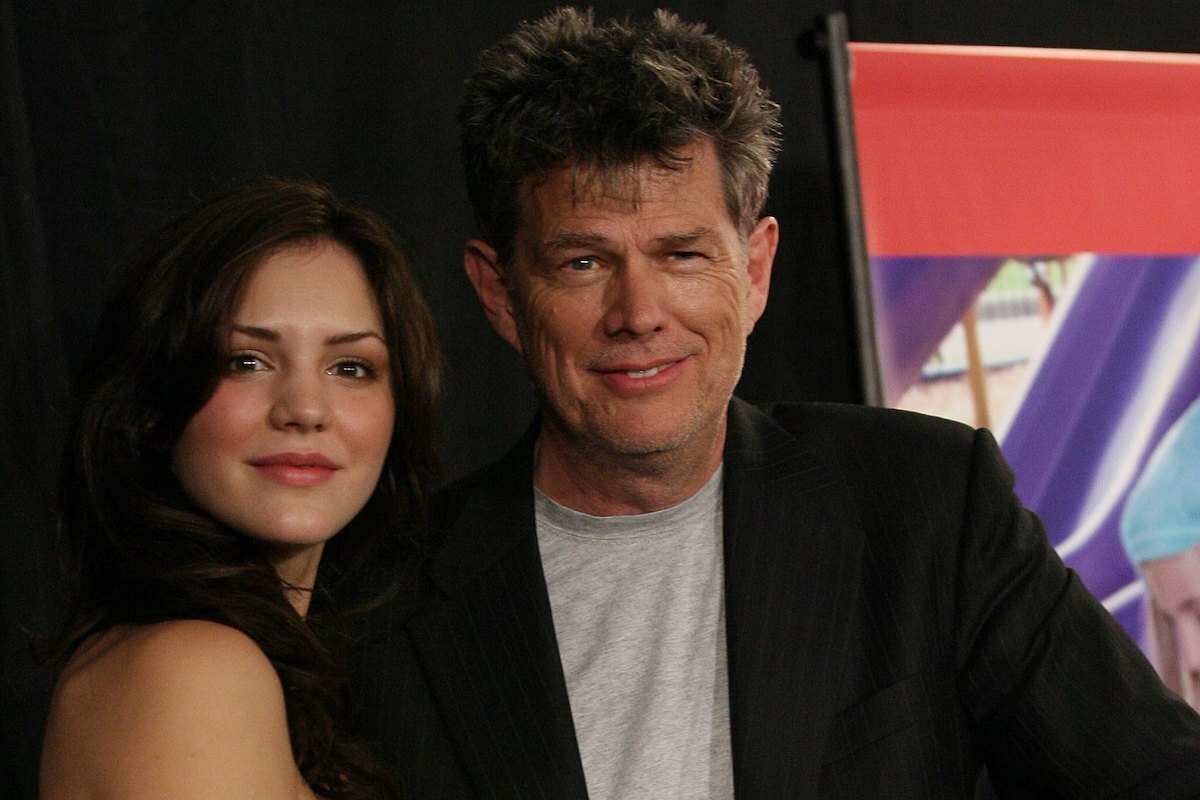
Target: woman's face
{"x":1175,"y":585}
{"x":291,"y":444}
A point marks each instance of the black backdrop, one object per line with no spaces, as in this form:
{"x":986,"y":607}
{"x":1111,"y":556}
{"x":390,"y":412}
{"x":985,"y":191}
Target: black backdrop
{"x":115,"y":114}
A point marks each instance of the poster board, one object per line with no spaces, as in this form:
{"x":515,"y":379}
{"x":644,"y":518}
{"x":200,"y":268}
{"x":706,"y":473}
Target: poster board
{"x":1032,"y":228}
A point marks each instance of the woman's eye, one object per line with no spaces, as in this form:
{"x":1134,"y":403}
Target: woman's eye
{"x":352,"y":369}
{"x":243,"y":362}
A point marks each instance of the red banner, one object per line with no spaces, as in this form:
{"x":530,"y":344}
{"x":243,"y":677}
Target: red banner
{"x":976,"y":150}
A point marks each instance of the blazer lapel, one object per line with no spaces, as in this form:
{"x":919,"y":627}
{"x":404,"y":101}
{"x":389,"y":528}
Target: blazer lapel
{"x":792,"y":547}
{"x":488,"y":648}
{"x":792,"y":553}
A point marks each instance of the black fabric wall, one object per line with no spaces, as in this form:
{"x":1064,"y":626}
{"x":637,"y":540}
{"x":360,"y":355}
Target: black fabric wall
{"x":116,"y":114}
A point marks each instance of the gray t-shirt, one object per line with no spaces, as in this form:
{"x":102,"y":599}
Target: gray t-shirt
{"x":639,"y":613}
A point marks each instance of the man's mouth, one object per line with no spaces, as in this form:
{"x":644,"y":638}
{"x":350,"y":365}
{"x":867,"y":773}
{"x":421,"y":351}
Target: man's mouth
{"x":648,"y":373}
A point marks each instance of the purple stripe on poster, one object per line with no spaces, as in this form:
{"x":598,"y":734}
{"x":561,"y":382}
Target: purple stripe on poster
{"x":1118,"y":362}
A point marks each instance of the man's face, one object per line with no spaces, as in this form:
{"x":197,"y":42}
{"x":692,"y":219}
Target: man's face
{"x":631,"y":301}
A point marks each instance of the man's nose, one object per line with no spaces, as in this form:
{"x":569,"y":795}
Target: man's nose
{"x":635,"y":302}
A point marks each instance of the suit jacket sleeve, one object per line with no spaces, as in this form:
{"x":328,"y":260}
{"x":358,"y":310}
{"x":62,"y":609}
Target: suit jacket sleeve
{"x":1064,"y":704}
{"x":968,"y":641}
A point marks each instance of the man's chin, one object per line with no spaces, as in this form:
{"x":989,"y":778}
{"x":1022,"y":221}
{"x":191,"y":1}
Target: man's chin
{"x":645,"y":442}
{"x":678,"y":435}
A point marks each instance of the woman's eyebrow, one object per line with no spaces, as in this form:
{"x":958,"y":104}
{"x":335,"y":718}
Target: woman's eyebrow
{"x":267,"y":334}
{"x":346,"y":338}
{"x":256,"y":332}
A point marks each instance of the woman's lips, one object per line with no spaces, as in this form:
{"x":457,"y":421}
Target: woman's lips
{"x":295,"y":469}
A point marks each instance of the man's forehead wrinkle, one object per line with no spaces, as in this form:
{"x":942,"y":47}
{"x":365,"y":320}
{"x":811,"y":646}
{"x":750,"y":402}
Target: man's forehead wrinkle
{"x":621,"y":184}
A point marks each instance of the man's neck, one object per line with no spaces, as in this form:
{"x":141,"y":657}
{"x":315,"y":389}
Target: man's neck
{"x":602,"y":483}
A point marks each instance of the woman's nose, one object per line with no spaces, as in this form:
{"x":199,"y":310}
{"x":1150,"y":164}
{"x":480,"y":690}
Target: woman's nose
{"x":1187,"y":631}
{"x":301,"y":403}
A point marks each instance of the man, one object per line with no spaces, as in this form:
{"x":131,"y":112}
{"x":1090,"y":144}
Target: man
{"x":662,"y":592}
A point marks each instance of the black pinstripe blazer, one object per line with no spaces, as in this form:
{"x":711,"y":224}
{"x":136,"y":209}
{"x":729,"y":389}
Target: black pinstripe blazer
{"x":895,"y":620}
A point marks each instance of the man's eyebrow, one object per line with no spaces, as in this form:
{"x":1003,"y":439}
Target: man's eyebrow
{"x":569,"y":240}
{"x":675,"y":241}
{"x":256,"y":332}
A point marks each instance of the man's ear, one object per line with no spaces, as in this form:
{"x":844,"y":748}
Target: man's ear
{"x":486,"y":275}
{"x":760,"y":246}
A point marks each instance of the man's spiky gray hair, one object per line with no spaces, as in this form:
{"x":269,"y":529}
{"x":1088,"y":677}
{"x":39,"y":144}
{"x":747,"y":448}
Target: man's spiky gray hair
{"x":565,"y":90}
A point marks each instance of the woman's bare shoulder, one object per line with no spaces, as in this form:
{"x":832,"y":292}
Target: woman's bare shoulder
{"x":181,"y":707}
{"x":153,"y":672}
{"x":167,"y":654}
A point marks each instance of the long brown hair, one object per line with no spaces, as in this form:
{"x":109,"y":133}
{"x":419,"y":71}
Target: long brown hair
{"x":137,"y":551}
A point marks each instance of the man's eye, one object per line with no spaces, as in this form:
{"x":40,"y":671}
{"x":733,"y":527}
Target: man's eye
{"x":685,"y":255}
{"x":352,"y":369}
{"x":243,"y":362}
{"x":581,"y":264}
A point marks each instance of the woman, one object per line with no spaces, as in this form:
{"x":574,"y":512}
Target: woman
{"x":259,"y":399}
{"x":1160,"y":528}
